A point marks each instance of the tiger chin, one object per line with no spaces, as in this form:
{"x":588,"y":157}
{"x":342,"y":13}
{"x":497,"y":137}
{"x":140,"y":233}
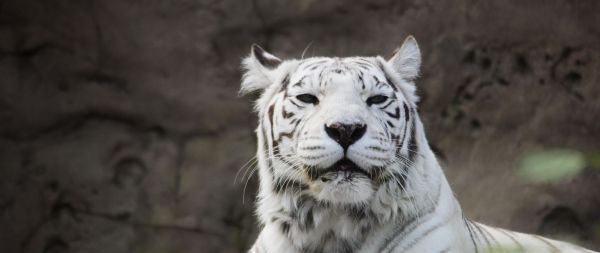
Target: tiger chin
{"x":345,"y":166}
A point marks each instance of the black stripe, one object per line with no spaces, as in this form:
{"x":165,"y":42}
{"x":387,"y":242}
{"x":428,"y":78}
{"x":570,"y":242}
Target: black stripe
{"x":412,"y":145}
{"x":297,"y":105}
{"x":363,"y":65}
{"x":399,"y":230}
{"x":424,"y":216}
{"x":480,"y":232}
{"x":313,"y":157}
{"x":406,"y":112}
{"x":400,"y":141}
{"x":471,"y":235}
{"x":364,"y":60}
{"x":285,"y":228}
{"x":270,"y":114}
{"x":285,"y":114}
{"x":289,"y":135}
{"x":388,"y":104}
{"x":309,"y":64}
{"x":387,"y":78}
{"x":521,"y":248}
{"x":489,"y":235}
{"x":304,"y":213}
{"x":274,"y":143}
{"x":285,"y":82}
{"x":266,"y":145}
{"x":406,"y":228}
{"x":376,"y":148}
{"x":361,"y":80}
{"x":396,"y":114}
{"x":550,"y":245}
{"x":431,"y":229}
{"x":300,"y":83}
{"x":312,"y":147}
{"x":417,"y":240}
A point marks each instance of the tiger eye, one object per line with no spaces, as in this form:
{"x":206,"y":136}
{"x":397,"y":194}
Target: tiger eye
{"x":308,"y":98}
{"x":378,"y":99}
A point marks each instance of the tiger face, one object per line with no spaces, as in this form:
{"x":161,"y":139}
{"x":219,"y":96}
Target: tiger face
{"x":335,"y":129}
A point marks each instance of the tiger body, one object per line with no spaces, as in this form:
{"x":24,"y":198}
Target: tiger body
{"x":345,"y":166}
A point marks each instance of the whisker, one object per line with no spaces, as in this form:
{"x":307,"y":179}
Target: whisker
{"x":246,"y":185}
{"x":251,"y":162}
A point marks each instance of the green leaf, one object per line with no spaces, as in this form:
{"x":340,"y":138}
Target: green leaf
{"x":552,"y":166}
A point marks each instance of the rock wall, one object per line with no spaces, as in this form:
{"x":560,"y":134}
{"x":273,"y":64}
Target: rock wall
{"x":121,"y":129}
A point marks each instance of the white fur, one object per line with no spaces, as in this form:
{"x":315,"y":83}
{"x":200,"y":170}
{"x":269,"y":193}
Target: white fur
{"x":420,"y":215}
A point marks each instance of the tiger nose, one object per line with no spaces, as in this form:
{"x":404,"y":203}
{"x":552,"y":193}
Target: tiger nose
{"x":345,"y":134}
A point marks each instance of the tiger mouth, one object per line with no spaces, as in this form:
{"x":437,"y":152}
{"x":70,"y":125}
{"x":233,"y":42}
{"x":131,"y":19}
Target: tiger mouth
{"x":344,"y":167}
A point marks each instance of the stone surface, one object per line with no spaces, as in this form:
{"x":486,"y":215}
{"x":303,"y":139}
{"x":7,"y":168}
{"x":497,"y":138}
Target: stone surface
{"x":121,"y":129}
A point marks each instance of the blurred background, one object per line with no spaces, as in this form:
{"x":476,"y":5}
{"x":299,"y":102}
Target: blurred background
{"x":121,"y":129}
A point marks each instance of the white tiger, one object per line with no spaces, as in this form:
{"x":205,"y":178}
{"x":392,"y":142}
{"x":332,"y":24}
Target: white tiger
{"x":345,"y":166}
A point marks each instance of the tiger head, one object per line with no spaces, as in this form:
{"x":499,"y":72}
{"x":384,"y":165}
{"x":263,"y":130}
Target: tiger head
{"x":335,"y":129}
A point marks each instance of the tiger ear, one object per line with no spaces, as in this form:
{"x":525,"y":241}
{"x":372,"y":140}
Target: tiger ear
{"x":407,"y":59}
{"x":258,"y":68}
